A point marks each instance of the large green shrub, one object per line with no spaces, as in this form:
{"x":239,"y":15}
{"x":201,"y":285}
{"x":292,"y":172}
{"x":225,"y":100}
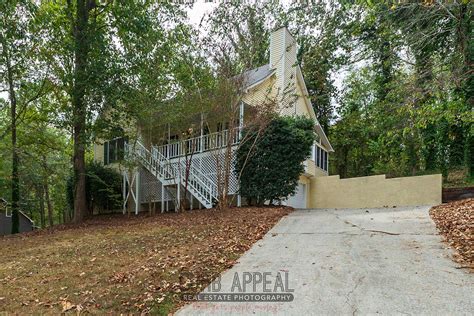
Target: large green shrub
{"x":272,"y":162}
{"x":103,"y":188}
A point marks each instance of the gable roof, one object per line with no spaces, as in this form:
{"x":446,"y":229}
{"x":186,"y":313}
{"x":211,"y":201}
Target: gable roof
{"x":260,"y":74}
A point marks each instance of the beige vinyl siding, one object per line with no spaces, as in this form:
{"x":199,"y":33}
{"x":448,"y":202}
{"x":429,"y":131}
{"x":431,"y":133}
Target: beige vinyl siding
{"x":264,"y":93}
{"x":301,"y":105}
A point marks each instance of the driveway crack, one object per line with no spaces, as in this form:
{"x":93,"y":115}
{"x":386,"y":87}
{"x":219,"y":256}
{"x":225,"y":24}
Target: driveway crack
{"x":366,"y":230}
{"x":349,"y":294}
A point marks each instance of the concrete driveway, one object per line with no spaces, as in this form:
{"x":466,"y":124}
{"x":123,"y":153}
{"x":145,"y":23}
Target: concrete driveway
{"x":354,"y":261}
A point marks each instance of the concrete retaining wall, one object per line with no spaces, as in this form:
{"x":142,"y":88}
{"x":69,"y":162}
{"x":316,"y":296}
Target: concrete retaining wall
{"x":374,"y":191}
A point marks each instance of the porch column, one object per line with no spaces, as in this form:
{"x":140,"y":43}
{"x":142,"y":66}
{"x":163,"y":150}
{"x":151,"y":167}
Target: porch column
{"x":168,"y":144}
{"x":241,"y":127}
{"x":201,"y":145}
{"x":241,"y":119}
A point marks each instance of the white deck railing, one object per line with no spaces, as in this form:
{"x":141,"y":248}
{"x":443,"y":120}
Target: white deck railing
{"x":200,"y":144}
{"x":201,"y":183}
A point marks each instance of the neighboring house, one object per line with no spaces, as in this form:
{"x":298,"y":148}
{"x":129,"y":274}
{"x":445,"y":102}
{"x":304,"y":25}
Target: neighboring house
{"x":26,"y":224}
{"x":161,"y":177}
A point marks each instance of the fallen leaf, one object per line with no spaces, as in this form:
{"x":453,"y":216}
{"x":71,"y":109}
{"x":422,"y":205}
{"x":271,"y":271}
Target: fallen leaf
{"x":67,"y":306}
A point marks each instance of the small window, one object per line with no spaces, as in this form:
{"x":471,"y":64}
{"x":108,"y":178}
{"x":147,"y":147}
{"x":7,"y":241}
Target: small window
{"x":317,"y":155}
{"x":325,"y":161}
{"x":321,"y":158}
{"x":114,"y":150}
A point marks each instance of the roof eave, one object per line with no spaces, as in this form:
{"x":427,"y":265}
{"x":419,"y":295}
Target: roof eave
{"x":255,"y":84}
{"x":324,"y":138}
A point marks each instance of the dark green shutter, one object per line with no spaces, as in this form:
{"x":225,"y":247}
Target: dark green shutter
{"x":120,"y":148}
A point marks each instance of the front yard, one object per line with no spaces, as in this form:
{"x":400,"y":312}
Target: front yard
{"x":116,"y":264}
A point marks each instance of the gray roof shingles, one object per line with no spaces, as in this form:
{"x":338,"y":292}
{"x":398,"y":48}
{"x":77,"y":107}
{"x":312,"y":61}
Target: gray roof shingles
{"x":256,"y":75}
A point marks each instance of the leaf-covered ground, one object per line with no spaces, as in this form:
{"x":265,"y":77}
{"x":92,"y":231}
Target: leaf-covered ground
{"x":455,"y":221}
{"x":116,"y":264}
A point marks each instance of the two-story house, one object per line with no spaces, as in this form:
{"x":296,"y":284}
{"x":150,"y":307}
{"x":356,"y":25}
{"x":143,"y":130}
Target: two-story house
{"x":166,"y":173}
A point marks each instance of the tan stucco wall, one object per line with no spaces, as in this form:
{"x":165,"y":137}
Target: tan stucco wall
{"x":318,"y":172}
{"x":374,"y":191}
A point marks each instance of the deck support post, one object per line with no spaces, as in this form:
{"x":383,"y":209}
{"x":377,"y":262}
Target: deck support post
{"x":178,"y":204}
{"x":124,"y":192}
{"x":162,"y":198}
{"x":137,"y":190}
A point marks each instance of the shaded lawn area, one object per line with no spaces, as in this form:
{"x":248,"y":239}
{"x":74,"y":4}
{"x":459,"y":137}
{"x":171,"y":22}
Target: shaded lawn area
{"x":455,"y":221}
{"x":116,"y":264}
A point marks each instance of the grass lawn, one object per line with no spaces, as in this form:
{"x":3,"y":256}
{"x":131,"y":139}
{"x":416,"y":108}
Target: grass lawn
{"x":115,"y":264}
{"x":458,"y":178}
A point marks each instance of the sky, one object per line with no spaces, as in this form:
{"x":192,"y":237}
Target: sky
{"x":201,"y":8}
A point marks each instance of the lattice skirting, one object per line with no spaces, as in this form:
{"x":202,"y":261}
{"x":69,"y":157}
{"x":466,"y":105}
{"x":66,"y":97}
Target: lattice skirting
{"x":211,"y":164}
{"x":150,"y":188}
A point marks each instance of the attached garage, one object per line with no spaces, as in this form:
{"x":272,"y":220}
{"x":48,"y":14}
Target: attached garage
{"x":299,"y":199}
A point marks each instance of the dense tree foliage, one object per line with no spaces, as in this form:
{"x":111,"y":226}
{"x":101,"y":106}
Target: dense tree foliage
{"x":391,"y":83}
{"x":271,"y":163}
{"x":103,"y":189}
{"x":406,"y":106}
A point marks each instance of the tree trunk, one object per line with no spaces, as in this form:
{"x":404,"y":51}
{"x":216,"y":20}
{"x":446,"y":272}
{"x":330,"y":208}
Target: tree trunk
{"x":66,"y":218}
{"x":60,"y":217}
{"x":81,"y":50}
{"x":15,"y":182}
{"x":48,"y":202}
{"x":40,"y":196}
{"x":467,"y":49}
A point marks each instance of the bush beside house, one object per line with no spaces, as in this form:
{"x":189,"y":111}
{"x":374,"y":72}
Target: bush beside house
{"x":270,"y":163}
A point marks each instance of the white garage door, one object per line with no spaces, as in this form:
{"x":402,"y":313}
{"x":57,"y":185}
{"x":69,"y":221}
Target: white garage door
{"x":299,"y":199}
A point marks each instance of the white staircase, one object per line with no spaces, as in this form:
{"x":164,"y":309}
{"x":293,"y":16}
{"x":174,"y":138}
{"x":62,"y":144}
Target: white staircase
{"x":197,"y":157}
{"x":174,"y":173}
